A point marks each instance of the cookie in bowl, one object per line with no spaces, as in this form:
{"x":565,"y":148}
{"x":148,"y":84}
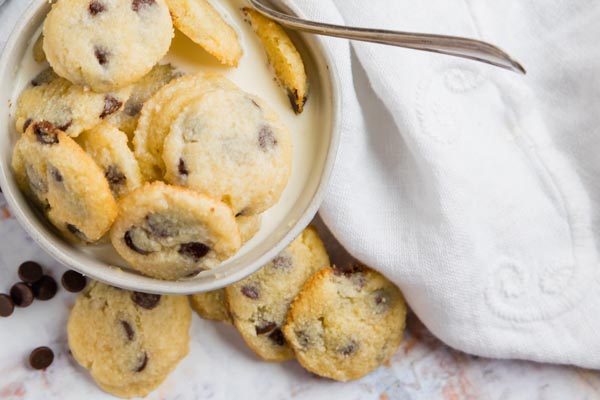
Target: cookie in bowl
{"x":64,"y":182}
{"x":169,"y":232}
{"x":106,"y":44}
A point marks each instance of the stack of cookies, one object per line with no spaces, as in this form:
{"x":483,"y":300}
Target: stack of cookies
{"x":179,"y":168}
{"x":339,"y":323}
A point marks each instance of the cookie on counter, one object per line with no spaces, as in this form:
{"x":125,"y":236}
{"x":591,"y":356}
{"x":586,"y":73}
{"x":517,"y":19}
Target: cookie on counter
{"x":259,"y":304}
{"x":126,"y":119}
{"x":64,"y":182}
{"x":108,"y":147}
{"x":346,"y":322}
{"x":106,"y":44}
{"x":71,"y":108}
{"x":211,"y":305}
{"x":202,"y":23}
{"x":129,"y":341}
{"x":161,"y":110}
{"x":232,"y":146}
{"x":169,"y":232}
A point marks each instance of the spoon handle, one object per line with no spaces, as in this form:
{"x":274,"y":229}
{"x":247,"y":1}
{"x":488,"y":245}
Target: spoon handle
{"x":451,"y":45}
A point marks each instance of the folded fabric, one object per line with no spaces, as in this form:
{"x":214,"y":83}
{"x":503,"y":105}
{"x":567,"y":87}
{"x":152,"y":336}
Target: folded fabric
{"x":473,"y":188}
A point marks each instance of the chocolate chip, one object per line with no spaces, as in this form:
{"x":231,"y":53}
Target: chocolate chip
{"x":96,"y":7}
{"x":145,"y":300}
{"x":129,"y":242}
{"x":111,"y":105}
{"x":136,"y":5}
{"x":142,"y":365}
{"x":41,"y":358}
{"x":76,"y":232}
{"x":348,"y":269}
{"x":56,"y":175}
{"x":132,"y":108}
{"x":266,"y":138}
{"x":182,"y":168}
{"x":193,"y":250}
{"x":282,"y":262}
{"x":162,"y":226}
{"x":255,"y":103}
{"x":73,"y":281}
{"x":21,"y":294}
{"x":30,"y":272}
{"x":27,"y":123}
{"x":265,"y":327}
{"x":6,"y":305}
{"x":45,"y":288}
{"x":114,"y":176}
{"x":350,"y":348}
{"x":66,"y":125}
{"x":101,"y":55}
{"x":250,"y":292}
{"x":45,"y":132}
{"x":128,"y":330}
{"x":296,"y":106}
{"x":277,"y":337}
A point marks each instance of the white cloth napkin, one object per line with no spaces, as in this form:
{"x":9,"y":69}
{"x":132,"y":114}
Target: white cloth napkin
{"x":472,"y":188}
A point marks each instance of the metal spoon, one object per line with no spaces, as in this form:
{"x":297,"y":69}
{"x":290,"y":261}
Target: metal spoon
{"x":450,"y":45}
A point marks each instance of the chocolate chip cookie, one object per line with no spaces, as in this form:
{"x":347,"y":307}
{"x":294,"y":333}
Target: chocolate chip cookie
{"x":249,"y":226}
{"x":345,"y":322}
{"x":129,"y":341}
{"x":64,"y":182}
{"x":106,"y":44}
{"x":160,"y":111}
{"x":242,"y":158}
{"x":259,"y":304}
{"x":108,"y":147}
{"x":71,"y":108}
{"x":169,"y":232}
{"x":211,"y":305}
{"x":126,"y":119}
{"x":199,"y":21}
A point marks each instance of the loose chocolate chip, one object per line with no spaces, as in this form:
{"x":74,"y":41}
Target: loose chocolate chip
{"x":282,"y":261}
{"x":129,"y":242}
{"x":27,"y":123}
{"x":250,"y":292}
{"x":145,"y":300}
{"x":136,"y":5}
{"x":45,"y":132}
{"x":96,"y":7}
{"x":348,"y":349}
{"x":6,"y":305}
{"x":182,"y":168}
{"x":111,"y":105}
{"x":45,"y":288}
{"x":266,"y":138}
{"x":101,"y":55}
{"x":30,"y":272}
{"x":76,"y":232}
{"x":265,"y":327}
{"x":114,"y":176}
{"x":41,"y":358}
{"x":21,"y":294}
{"x":142,"y":364}
{"x":66,"y":125}
{"x":193,"y":250}
{"x":128,"y":330}
{"x":56,"y":174}
{"x":73,"y":281}
{"x":277,"y":337}
{"x":132,"y":108}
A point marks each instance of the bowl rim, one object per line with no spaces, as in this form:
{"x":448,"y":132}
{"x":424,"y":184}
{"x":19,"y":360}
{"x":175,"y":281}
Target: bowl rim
{"x":111,"y":275}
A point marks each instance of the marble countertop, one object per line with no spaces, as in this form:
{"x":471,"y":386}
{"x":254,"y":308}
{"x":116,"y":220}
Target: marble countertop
{"x":220,"y":366}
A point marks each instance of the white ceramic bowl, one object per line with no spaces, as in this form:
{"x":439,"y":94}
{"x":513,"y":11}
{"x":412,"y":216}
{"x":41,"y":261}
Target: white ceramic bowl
{"x":315,"y":137}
